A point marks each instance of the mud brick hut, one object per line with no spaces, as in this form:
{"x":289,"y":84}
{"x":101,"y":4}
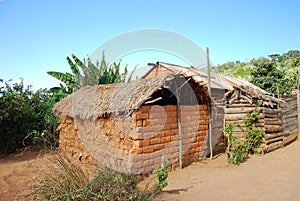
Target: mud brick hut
{"x":232,"y":99}
{"x":131,"y":126}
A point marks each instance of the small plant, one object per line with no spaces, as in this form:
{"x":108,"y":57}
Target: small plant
{"x":162,"y":174}
{"x":238,"y":149}
{"x":254,"y":136}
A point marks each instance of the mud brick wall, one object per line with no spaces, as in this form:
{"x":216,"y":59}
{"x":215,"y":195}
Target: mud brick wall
{"x":159,"y":131}
{"x":148,"y":134}
{"x":70,"y":143}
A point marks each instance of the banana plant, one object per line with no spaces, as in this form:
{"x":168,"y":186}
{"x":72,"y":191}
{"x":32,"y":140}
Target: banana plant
{"x":88,"y":74}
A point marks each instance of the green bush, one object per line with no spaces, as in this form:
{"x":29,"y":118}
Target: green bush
{"x":238,"y":149}
{"x":254,"y":135}
{"x":25,"y":117}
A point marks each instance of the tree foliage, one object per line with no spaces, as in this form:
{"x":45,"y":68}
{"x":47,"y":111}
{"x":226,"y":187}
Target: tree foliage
{"x":275,"y":76}
{"x":278,"y":74}
{"x":24,"y":116}
{"x":235,"y":69}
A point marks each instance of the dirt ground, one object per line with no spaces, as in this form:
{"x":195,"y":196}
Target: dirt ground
{"x":19,"y":171}
{"x":274,"y":176}
{"x":271,"y":177}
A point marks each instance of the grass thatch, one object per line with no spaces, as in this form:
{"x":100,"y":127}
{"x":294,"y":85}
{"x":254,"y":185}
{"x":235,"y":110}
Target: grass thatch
{"x":92,"y":102}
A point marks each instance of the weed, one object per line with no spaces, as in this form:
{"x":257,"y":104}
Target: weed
{"x":162,"y":174}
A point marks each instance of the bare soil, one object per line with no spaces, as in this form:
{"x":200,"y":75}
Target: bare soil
{"x":271,"y":177}
{"x":274,"y":176}
{"x":20,"y":171}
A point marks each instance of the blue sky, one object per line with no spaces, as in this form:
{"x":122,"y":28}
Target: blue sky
{"x":37,"y":35}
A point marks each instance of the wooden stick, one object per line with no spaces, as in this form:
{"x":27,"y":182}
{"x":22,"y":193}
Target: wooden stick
{"x":152,"y":101}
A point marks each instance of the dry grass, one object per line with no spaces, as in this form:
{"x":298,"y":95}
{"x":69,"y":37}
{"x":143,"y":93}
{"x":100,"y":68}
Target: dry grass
{"x":66,"y":180}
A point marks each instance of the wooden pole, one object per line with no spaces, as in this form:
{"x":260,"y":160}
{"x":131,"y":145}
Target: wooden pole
{"x":209,"y":90}
{"x":179,"y":125}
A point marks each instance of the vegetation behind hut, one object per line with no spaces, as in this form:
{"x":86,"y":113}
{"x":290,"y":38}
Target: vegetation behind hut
{"x":88,"y":74}
{"x":278,"y":74}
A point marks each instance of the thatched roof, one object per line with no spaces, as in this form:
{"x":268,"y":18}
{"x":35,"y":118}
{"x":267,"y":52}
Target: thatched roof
{"x":92,"y":102}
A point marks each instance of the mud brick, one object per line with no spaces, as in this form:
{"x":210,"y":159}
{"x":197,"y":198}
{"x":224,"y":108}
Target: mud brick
{"x":139,"y":123}
{"x":145,"y":142}
{"x":133,"y":117}
{"x":145,"y":108}
{"x":167,"y":127}
{"x":170,"y":107}
{"x":173,"y":137}
{"x":146,"y":122}
{"x":172,"y":114}
{"x":156,"y":128}
{"x":136,"y":150}
{"x":138,"y":164}
{"x":202,"y":133}
{"x":156,"y":121}
{"x":158,"y":147}
{"x":137,"y":136}
{"x":148,"y":133}
{"x":203,"y":121}
{"x":194,"y":145}
{"x":168,"y":133}
{"x":148,"y":149}
{"x":165,"y":139}
{"x":147,"y":163}
{"x":138,"y":143}
{"x":186,"y":118}
{"x":155,"y":141}
{"x":174,"y":126}
{"x":158,"y":114}
{"x":195,"y":150}
{"x":171,"y":120}
{"x":160,"y":134}
{"x":141,"y":116}
{"x":193,"y":139}
{"x":156,"y":108}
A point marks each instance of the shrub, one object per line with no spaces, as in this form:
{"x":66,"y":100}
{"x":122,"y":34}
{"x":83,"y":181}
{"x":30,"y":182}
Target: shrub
{"x":254,"y":136}
{"x":238,"y":149}
{"x":24,"y":116}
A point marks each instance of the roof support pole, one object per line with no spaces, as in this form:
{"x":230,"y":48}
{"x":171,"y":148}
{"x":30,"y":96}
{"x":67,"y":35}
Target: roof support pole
{"x":209,"y":109}
{"x":179,"y":125}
